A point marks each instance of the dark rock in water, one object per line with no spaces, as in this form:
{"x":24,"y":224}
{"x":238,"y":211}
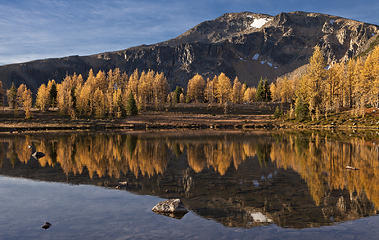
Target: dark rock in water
{"x":36,"y":155}
{"x":46,"y":225}
{"x":171,"y":208}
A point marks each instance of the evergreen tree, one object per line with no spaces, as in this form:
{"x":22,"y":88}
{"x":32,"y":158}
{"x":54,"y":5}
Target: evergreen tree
{"x":12,"y":96}
{"x":277,"y":113}
{"x":267,"y":91}
{"x":52,"y":87}
{"x":177,"y":92}
{"x":131,"y":106}
{"x":260,"y":95}
{"x":301,"y":109}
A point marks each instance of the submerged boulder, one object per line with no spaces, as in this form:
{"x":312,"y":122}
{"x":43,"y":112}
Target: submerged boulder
{"x":171,"y":207}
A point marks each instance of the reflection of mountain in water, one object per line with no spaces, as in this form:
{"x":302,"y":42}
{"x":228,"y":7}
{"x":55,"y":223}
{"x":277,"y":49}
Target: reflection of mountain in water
{"x":226,"y":178}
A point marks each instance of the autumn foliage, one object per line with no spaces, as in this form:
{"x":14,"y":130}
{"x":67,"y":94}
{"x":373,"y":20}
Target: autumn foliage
{"x":320,"y":90}
{"x":325,"y":89}
{"x":108,"y":94}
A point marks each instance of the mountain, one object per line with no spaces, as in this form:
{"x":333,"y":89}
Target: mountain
{"x":247,"y":45}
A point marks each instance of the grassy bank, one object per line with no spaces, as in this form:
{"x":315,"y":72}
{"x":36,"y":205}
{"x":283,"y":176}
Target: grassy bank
{"x":185,"y":116}
{"x":343,"y":120}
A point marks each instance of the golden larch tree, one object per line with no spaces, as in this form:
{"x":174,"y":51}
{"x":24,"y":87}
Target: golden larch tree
{"x":314,"y":78}
{"x":20,"y":92}
{"x":99,"y":103}
{"x":160,"y":89}
{"x":236,"y":91}
{"x":43,"y":98}
{"x":195,"y":89}
{"x":27,"y":102}
{"x":224,"y":88}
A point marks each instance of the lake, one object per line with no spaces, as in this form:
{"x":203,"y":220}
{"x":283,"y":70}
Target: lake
{"x":236,"y":185}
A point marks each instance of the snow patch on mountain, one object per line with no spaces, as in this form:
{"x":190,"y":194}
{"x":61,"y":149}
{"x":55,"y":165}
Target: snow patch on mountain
{"x":259,"y":22}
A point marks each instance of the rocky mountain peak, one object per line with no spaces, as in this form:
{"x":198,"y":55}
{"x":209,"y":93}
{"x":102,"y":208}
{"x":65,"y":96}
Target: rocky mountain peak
{"x":248,"y":45}
{"x":223,"y":28}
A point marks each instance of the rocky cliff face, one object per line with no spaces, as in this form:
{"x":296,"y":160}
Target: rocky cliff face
{"x":246,"y":45}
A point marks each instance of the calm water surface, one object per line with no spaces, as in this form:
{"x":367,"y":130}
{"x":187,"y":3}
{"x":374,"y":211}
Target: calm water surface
{"x":236,"y":185}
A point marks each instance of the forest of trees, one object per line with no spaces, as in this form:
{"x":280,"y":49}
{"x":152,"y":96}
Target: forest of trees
{"x":221,"y":90}
{"x":112,"y":94}
{"x":324,"y":89}
{"x":115,"y":94}
{"x":319,"y":91}
{"x":17,"y":98}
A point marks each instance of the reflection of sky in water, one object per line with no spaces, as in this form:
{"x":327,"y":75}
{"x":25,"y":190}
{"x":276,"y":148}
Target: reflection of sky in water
{"x":256,"y":183}
{"x":88,"y":212}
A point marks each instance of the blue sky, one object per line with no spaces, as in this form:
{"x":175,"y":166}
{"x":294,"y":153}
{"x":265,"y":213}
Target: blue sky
{"x":35,"y":29}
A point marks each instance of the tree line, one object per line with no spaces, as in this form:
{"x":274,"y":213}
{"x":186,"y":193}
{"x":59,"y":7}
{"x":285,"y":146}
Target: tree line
{"x":115,"y":94}
{"x":326,"y":89}
{"x":221,"y":90}
{"x":319,"y":91}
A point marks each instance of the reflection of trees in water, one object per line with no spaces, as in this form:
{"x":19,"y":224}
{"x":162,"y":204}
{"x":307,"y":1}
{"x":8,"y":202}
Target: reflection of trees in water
{"x":322,"y":162}
{"x":17,"y":150}
{"x":319,"y":160}
{"x":112,"y":155}
{"x":3,"y":153}
{"x":102,"y":155}
{"x":219,"y":154}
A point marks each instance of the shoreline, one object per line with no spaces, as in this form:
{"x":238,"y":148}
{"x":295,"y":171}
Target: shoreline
{"x":131,"y":125}
{"x":244,"y":118}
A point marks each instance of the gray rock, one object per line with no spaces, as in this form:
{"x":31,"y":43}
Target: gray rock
{"x":170,"y":206}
